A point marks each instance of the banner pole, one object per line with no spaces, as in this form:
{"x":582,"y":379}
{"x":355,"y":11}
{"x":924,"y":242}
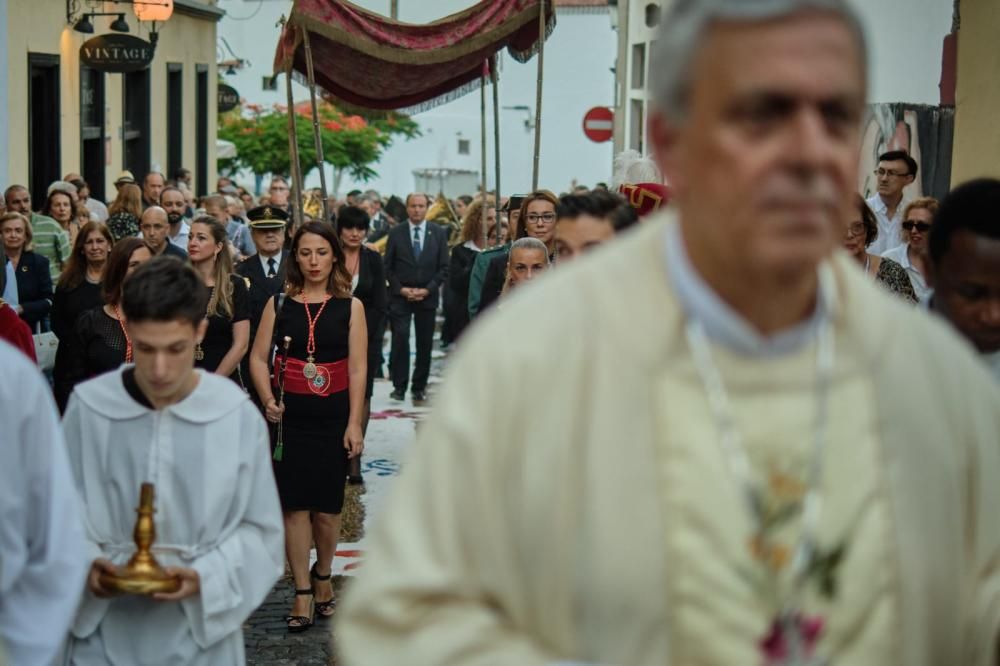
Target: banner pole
{"x":482,"y":128}
{"x":538,"y":93}
{"x":293,"y":150}
{"x":316,"y":132}
{"x":494,"y":71}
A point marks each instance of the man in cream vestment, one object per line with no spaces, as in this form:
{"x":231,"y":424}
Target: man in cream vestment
{"x":718,"y":443}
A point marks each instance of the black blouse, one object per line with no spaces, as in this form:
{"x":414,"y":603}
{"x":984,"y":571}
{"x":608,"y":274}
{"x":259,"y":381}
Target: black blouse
{"x":67,"y":307}
{"x":101,"y":344}
{"x":219,"y":337}
{"x":372,"y":293}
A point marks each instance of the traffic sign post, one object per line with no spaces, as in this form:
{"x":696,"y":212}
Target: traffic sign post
{"x":599,"y":124}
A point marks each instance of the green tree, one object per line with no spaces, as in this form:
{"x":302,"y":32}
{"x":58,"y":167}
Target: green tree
{"x":351,"y":143}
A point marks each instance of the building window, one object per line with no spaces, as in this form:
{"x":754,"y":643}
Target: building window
{"x":638,"y":66}
{"x":269,"y":83}
{"x":175,"y":118}
{"x":463,"y":146}
{"x":135,"y":130}
{"x":653,"y":15}
{"x":637,"y":126}
{"x":92,"y":137}
{"x":201,"y":131}
{"x":44,"y":149}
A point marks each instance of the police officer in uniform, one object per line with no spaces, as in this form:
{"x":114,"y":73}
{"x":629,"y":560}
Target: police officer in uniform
{"x":265,"y":270}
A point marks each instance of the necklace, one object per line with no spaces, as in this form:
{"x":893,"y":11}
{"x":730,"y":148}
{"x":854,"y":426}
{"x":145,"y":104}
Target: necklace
{"x":128,"y":340}
{"x":199,"y":353}
{"x":357,"y":263}
{"x":309,"y":369}
{"x":789,"y":622}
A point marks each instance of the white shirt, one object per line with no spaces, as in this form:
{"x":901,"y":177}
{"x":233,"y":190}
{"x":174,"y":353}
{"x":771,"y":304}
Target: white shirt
{"x":418,"y":231}
{"x":217,"y":512}
{"x":888,"y":228}
{"x":722,"y":323}
{"x":472,"y":246}
{"x":901,"y":256}
{"x":10,"y":288}
{"x":181,"y":239}
{"x":266,"y":267}
{"x":43,"y":559}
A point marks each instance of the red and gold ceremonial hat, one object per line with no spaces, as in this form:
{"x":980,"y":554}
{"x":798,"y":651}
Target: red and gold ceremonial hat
{"x":645,"y":198}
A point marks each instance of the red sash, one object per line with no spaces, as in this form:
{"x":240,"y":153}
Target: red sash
{"x":330,"y":378}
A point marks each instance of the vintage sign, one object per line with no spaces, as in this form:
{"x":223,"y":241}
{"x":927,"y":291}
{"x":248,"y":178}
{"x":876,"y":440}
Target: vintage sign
{"x":229,"y":98}
{"x":116,"y":53}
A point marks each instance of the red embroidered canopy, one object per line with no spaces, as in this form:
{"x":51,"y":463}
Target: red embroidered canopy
{"x":365,"y":60}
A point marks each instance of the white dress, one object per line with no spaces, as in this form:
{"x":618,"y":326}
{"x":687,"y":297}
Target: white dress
{"x":217,"y":512}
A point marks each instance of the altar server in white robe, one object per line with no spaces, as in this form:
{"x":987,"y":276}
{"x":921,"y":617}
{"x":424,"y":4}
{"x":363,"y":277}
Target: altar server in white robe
{"x":718,"y":444}
{"x":42,"y":564}
{"x":204,"y":446}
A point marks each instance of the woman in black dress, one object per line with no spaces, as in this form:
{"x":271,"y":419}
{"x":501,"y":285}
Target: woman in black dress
{"x":319,"y":417}
{"x":101,"y":343}
{"x":368,"y":284}
{"x":34,"y":281}
{"x":463,"y":256}
{"x":78,"y":290}
{"x":228,"y":314}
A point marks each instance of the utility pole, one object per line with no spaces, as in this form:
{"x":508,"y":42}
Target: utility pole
{"x":394,"y":9}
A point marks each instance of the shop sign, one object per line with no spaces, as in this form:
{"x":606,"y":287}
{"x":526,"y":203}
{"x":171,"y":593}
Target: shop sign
{"x":116,"y":53}
{"x":229,"y":98}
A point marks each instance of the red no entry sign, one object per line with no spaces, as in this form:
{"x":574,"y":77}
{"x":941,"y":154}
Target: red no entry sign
{"x":599,"y":124}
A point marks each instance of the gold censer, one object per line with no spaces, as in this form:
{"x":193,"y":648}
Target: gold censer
{"x":142,"y":574}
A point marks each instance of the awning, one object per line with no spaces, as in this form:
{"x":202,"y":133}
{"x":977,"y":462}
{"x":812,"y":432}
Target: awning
{"x":364,"y":60}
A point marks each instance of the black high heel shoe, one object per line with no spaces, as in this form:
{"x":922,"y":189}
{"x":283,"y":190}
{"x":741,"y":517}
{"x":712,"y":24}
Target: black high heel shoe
{"x":323,"y":608}
{"x":302,"y":622}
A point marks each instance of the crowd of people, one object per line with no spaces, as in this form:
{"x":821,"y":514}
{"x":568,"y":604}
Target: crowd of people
{"x":226,"y":349}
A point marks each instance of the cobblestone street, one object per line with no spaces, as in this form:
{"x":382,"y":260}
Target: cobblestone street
{"x":391,"y":430}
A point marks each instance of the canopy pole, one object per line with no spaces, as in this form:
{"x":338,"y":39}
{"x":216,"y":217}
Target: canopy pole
{"x":316,"y":134}
{"x":293,"y":150}
{"x":482,"y":128}
{"x":538,"y":93}
{"x":494,"y":72}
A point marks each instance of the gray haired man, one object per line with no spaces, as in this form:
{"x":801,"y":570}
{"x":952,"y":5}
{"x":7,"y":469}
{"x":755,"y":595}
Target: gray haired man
{"x":712,"y":441}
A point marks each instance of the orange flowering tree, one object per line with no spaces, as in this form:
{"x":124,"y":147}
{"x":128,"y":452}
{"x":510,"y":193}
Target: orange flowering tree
{"x":351,"y":143}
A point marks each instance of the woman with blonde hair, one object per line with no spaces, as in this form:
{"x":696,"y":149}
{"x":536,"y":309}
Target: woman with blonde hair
{"x":228,"y":335}
{"x":125,"y":211}
{"x":912,"y":255}
{"x":463,"y":258}
{"x":321,"y":412}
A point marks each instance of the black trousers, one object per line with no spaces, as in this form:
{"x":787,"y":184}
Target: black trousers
{"x":400,"y":313}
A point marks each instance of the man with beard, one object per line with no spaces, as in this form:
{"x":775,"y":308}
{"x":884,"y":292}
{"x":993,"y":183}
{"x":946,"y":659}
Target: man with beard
{"x":735,"y":448}
{"x":155,"y":226}
{"x":172,"y":201}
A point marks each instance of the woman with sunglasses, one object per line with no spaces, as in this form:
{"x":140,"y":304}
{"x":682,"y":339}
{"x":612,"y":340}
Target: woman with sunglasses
{"x":912,"y":254}
{"x":862,"y":230}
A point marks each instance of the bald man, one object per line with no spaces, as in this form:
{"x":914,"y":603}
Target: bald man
{"x":155,"y":228}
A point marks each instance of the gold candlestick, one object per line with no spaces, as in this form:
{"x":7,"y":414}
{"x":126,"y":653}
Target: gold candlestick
{"x":142,"y":574}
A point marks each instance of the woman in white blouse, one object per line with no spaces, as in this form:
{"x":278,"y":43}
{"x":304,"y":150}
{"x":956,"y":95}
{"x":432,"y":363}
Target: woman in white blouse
{"x":912,"y":254}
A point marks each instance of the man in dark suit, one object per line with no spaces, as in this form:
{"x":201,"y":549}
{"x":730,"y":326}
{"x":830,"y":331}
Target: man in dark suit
{"x":265,"y":270}
{"x":416,"y":265}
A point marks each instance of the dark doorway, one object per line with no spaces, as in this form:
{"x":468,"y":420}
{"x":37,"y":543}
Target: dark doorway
{"x":135,"y":133}
{"x":175,"y":118}
{"x":44,"y":150}
{"x":201,"y":131}
{"x":92,"y":143}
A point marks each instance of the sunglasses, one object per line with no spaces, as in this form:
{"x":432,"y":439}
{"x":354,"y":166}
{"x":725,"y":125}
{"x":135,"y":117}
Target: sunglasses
{"x":922,"y":227}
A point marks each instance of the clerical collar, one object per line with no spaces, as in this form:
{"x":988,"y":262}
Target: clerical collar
{"x":725,"y":326}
